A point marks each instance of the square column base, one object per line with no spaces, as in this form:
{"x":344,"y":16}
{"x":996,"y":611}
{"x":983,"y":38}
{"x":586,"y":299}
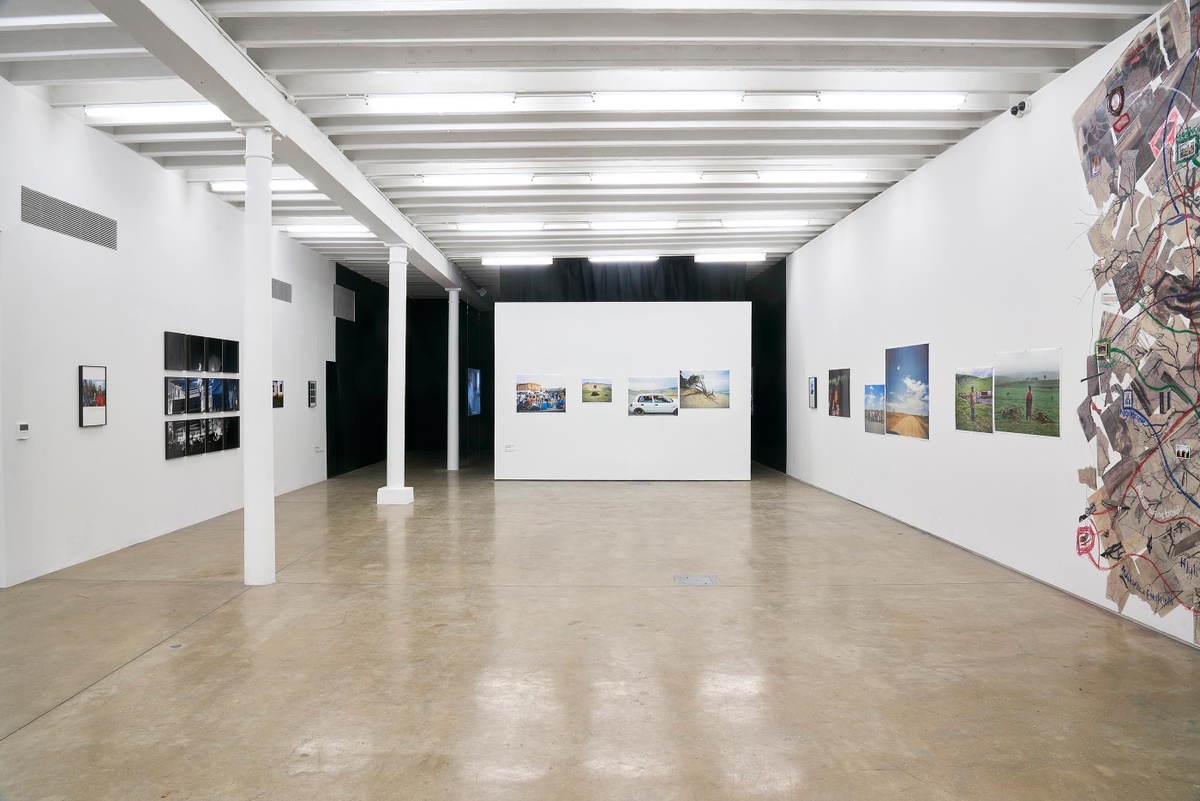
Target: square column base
{"x":394,"y":496}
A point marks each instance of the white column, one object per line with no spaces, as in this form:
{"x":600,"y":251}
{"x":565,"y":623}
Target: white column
{"x":257,"y":425}
{"x":452,"y":383}
{"x":395,"y":492}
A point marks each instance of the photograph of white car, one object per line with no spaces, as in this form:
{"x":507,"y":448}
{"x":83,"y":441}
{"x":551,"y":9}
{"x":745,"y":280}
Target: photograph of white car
{"x":653,"y":396}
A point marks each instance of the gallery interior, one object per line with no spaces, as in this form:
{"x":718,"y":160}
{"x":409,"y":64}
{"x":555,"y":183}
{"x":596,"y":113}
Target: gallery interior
{"x":514,"y":399}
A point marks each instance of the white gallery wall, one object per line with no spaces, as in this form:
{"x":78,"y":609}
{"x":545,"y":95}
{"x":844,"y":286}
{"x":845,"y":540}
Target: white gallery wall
{"x":981,"y":251}
{"x":73,"y":493}
{"x":601,"y":441}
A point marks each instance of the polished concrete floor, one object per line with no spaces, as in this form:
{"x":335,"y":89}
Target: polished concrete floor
{"x":527,"y":641}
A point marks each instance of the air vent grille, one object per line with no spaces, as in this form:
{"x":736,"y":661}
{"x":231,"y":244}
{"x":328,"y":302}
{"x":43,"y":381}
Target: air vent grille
{"x":57,"y":215}
{"x":343,"y":303}
{"x":281,"y":290}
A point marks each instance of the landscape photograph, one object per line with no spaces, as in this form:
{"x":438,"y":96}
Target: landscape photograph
{"x":704,"y":389}
{"x":873,"y":412}
{"x":597,"y":390}
{"x":1026,"y":387}
{"x":907,"y":391}
{"x":973,"y":399}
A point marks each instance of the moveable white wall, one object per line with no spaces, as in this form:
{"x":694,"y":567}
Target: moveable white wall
{"x":73,"y":493}
{"x":601,"y":441}
{"x":982,"y":250}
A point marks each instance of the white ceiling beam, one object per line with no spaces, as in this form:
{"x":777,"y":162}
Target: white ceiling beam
{"x":668,"y":29}
{"x":87,"y":70}
{"x":193,"y":45}
{"x":1111,"y":9}
{"x":16,"y":15}
{"x":295,"y":60}
{"x":66,"y":43}
{"x":540,"y":80}
{"x":167,"y":90}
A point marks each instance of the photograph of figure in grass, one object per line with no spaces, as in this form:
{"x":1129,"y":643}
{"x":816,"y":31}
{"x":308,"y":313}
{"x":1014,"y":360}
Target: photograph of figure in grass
{"x":704,"y":389}
{"x":1026,"y":383}
{"x":907,"y":383}
{"x":541,"y":393}
{"x":597,"y":390}
{"x":973,"y":399}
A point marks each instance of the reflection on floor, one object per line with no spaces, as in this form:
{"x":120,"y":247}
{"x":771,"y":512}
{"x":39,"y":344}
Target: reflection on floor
{"x":527,"y":641}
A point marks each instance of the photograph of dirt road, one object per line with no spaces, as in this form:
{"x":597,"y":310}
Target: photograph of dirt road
{"x":704,"y":389}
{"x":907,"y":385}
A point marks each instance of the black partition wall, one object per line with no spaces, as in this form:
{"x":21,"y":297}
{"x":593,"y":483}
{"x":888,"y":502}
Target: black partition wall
{"x":767,"y":294}
{"x":676,"y":279}
{"x":356,"y":383}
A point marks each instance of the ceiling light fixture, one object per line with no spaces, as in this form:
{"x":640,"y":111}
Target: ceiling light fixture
{"x":813,"y":176}
{"x":645,"y":178}
{"x":460,"y":103}
{"x":667,"y":101}
{"x":277,"y":185}
{"x":729,"y":258}
{"x":344,"y":230}
{"x":517,"y":261}
{"x":764,"y":223}
{"x":634,"y":225}
{"x":477,"y":179}
{"x":499,"y":226}
{"x":624,"y":258}
{"x":891,"y":101}
{"x":154,"y":113}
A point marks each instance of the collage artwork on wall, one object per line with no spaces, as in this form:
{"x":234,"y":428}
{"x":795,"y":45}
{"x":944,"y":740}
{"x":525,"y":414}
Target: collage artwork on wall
{"x":208,"y":395}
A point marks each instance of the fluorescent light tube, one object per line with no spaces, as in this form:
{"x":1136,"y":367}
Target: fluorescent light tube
{"x":326,"y":229}
{"x":764,"y":223}
{"x":729,"y":258}
{"x":477,"y":179}
{"x":152,"y":113}
{"x":891,"y":101}
{"x":624,"y":258}
{"x":634,"y":225}
{"x":645,"y":178}
{"x":500,"y":225}
{"x":277,"y":185}
{"x":667,"y":101}
{"x":813,"y":176}
{"x":459,"y":103}
{"x":517,"y":261}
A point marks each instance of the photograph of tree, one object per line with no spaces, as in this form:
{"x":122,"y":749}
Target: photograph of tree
{"x":704,"y":389}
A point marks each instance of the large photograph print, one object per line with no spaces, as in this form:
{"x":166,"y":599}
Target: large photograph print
{"x":653,"y":395}
{"x":541,"y":393}
{"x":907,"y":384}
{"x":704,"y":389}
{"x":839,"y":393}
{"x":973,"y":398}
{"x":1027,"y":392}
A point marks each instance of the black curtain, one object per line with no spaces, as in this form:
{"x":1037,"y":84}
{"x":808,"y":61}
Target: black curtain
{"x":677,"y":279}
{"x":768,"y":427}
{"x":356,"y":392}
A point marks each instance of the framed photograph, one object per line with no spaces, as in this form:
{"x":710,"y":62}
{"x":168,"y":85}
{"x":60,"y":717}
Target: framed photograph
{"x":93,"y":396}
{"x":229,"y":356}
{"x":214,"y":355}
{"x":176,"y":395}
{"x":232,"y":390}
{"x":216,"y":395}
{"x":812,"y":392}
{"x":473,"y":400}
{"x":233,"y":432}
{"x":277,"y":394}
{"x":197,"y":433}
{"x":216,"y":435}
{"x":195,"y":354}
{"x":174,"y":351}
{"x":312,"y":393}
{"x":177,"y":432}
{"x":197,"y":394}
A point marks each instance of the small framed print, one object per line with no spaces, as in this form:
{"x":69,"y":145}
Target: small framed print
{"x":230,"y":356}
{"x":812,"y":392}
{"x":312,"y":393}
{"x":277,"y":394}
{"x":197,"y":433}
{"x":93,"y":396}
{"x":231,"y":395}
{"x":195,"y":354}
{"x":177,"y":433}
{"x":216,"y":435}
{"x":197,"y":394}
{"x":233,"y":432}
{"x":216,"y":394}
{"x":174,"y":351}
{"x":176,"y":395}
{"x":214,"y":355}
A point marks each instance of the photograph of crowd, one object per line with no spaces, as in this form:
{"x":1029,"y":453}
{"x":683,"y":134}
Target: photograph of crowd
{"x":541,"y":393}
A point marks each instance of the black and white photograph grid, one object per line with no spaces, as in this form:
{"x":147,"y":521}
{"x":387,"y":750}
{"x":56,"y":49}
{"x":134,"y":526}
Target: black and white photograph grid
{"x":192,"y":353}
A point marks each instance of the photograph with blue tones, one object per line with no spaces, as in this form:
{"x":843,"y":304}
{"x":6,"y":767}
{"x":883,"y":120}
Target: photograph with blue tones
{"x":907,"y":384}
{"x":541,"y":393}
{"x":704,"y":389}
{"x":873,"y":408}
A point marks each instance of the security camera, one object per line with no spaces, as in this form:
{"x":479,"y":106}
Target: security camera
{"x":1020,"y":109}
